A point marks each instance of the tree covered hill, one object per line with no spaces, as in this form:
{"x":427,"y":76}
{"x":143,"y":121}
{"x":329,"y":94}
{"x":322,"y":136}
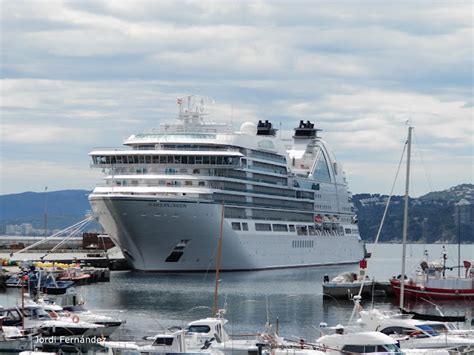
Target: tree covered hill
{"x":432,"y":217}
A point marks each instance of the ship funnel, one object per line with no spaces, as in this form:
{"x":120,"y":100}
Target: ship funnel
{"x":306,"y":131}
{"x":265,"y":129}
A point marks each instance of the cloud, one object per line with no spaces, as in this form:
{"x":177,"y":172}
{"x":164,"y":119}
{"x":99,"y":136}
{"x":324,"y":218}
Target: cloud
{"x":76,"y":75}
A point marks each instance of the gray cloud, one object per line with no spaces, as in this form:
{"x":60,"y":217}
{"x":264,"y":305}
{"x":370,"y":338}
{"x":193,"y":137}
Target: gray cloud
{"x":82,"y":74}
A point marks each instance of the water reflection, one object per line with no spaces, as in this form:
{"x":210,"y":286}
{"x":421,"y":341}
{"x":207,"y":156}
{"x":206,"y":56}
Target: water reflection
{"x":153,"y":302}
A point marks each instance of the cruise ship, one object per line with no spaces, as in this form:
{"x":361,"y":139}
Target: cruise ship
{"x":170,"y":195}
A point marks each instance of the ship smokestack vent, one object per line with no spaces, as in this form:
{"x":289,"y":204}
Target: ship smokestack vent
{"x":265,"y":129}
{"x":306,"y":131}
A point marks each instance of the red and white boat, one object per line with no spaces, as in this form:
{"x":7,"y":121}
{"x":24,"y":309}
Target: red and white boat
{"x":431,"y":283}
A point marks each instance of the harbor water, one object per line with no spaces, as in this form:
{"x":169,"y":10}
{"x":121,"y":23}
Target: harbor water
{"x":151,"y":302}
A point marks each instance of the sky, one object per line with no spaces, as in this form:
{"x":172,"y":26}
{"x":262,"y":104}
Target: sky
{"x":82,"y":74}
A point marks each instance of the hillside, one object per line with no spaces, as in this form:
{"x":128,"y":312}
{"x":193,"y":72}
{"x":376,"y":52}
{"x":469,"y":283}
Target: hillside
{"x":432,"y":216}
{"x":64,"y":208}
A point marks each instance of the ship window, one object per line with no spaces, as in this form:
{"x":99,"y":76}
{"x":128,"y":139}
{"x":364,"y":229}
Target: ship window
{"x":321,"y":172}
{"x":245,"y":226}
{"x":280,"y":228}
{"x":213,"y":160}
{"x":311,"y":230}
{"x":236,"y":226}
{"x":148,"y":159}
{"x":219,"y":160}
{"x":348,"y":231}
{"x":198,"y":159}
{"x":156,"y":159}
{"x":163,"y":341}
{"x":358,"y":349}
{"x":184,"y":159}
{"x":134,"y":182}
{"x":263,"y":227}
{"x":162,"y":159}
{"x":292,"y":227}
{"x":302,"y":230}
{"x":205,"y":159}
{"x":196,"y":171}
{"x":177,"y":159}
{"x":201,"y":183}
{"x":191,"y":159}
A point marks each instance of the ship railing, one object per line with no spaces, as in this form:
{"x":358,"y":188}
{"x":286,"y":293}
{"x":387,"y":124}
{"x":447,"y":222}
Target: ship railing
{"x":267,"y":170}
{"x":118,"y":149}
{"x":203,"y":174}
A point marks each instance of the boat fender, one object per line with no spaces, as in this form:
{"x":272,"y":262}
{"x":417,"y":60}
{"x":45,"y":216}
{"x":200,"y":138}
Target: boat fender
{"x":75,"y":319}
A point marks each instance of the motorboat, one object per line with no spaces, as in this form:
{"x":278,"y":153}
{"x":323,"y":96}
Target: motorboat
{"x":212,"y":329}
{"x":35,"y":319}
{"x":414,"y":333}
{"x":369,"y":342}
{"x":12,"y":339}
{"x":348,"y":284}
{"x":172,"y":342}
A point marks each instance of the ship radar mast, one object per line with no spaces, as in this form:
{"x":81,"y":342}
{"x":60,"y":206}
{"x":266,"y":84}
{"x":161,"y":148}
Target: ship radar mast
{"x":194,"y":106}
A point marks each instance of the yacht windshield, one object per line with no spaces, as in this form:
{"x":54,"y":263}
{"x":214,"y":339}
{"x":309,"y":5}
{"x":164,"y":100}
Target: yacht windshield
{"x":368,"y":349}
{"x":199,"y":329}
{"x":441,"y":327}
{"x":36,"y":313}
{"x":428,"y":329}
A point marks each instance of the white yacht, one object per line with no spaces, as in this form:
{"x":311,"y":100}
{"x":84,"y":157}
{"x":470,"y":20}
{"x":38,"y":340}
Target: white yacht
{"x":171,"y":194}
{"x":413,"y":333}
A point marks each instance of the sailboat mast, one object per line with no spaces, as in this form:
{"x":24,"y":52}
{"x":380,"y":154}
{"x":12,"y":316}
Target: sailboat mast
{"x":405,"y":220}
{"x":218,"y":265}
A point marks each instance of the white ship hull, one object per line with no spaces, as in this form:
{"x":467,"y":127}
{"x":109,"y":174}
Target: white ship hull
{"x":150,"y":230}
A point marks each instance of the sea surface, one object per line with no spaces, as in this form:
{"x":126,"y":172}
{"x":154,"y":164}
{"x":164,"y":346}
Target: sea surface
{"x":152,"y":302}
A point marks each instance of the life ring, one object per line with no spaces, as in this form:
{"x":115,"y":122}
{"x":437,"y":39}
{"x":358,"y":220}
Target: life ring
{"x":54,"y":315}
{"x":75,"y":319}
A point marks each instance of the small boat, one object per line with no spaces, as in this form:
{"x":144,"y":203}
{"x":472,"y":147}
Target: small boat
{"x":414,"y":333}
{"x":56,"y":287}
{"x":170,"y":343}
{"x":348,"y":284}
{"x":12,"y":340}
{"x":76,"y":275}
{"x":430,"y":282}
{"x":369,"y":342}
{"x":36,"y":319}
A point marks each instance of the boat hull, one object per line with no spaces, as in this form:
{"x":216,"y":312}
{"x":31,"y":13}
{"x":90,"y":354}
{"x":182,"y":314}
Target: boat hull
{"x":346,"y":290}
{"x":413,"y":291}
{"x":181,"y":236}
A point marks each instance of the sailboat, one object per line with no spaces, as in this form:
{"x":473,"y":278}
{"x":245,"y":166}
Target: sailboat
{"x":413,"y":333}
{"x":432,"y":283}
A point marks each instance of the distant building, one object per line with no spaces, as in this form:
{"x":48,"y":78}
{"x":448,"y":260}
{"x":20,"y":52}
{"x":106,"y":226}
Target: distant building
{"x":27,"y":229}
